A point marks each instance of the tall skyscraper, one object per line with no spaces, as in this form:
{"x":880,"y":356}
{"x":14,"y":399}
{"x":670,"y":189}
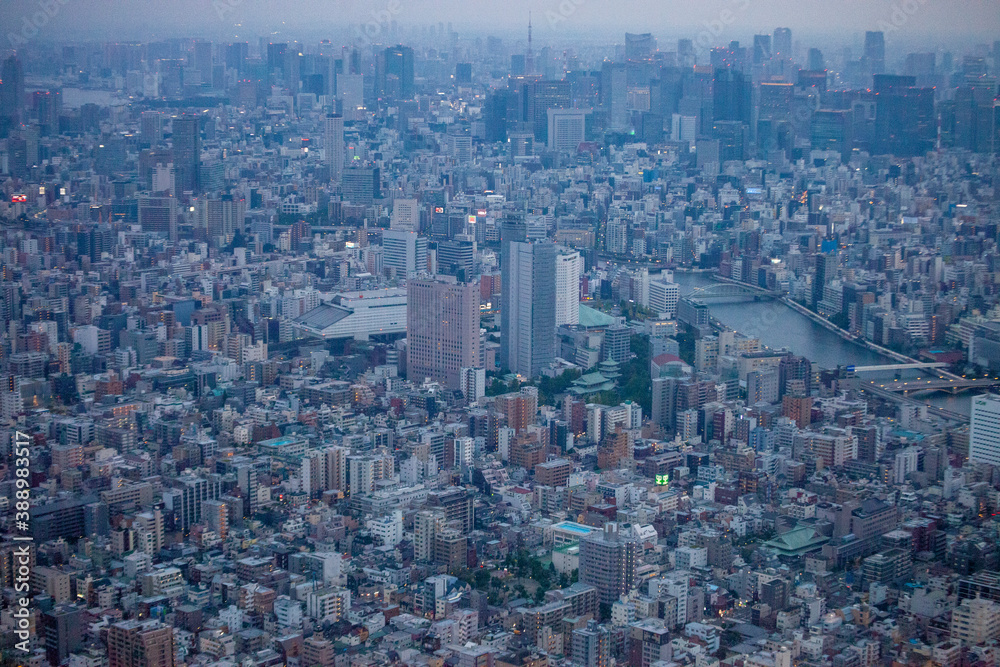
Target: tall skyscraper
{"x":151,"y":128}
{"x":140,"y":644}
{"x":984,"y":433}
{"x":394,"y":75}
{"x":495,"y":115}
{"x":614,"y":95}
{"x":187,"y":152}
{"x":816,"y":61}
{"x":826,"y":270}
{"x":731,"y":95}
{"x":608,"y":562}
{"x":782,"y":43}
{"x":905,"y":122}
{"x":333,"y":144}
{"x":11,"y":90}
{"x":874,"y":55}
{"x":639,"y":46}
{"x":528,"y":341}
{"x":761,"y":48}
{"x":442,"y":329}
{"x":569,"y":266}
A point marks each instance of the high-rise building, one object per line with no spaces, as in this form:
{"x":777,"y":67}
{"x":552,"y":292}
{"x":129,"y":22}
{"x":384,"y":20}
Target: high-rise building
{"x":442,"y":329}
{"x":608,"y":562}
{"x":782,"y":43}
{"x":11,"y":92}
{"x":406,"y":252}
{"x":495,"y":115}
{"x":221,"y":216}
{"x":405,"y":215}
{"x":731,"y":95}
{"x":761,"y":48}
{"x":426,"y":526}
{"x":976,"y":621}
{"x":364,"y":472}
{"x":456,"y":258}
{"x":874,"y":54}
{"x":639,"y":46}
{"x":336,"y":468}
{"x":151,"y":128}
{"x":158,"y":215}
{"x":567,"y":129}
{"x":905,"y":121}
{"x":394,"y":73}
{"x":826,"y":270}
{"x":140,"y":644}
{"x":762,"y":387}
{"x":569,"y":268}
{"x":815,"y":60}
{"x":984,"y":431}
{"x":249,"y":480}
{"x":614,"y":95}
{"x":361,"y":185}
{"x":458,"y":506}
{"x":539,"y":98}
{"x":47,"y":105}
{"x":591,"y":646}
{"x":663,"y":297}
{"x":528,"y":340}
{"x":62,"y":632}
{"x":333,"y":145}
{"x":186,"y":499}
{"x":186,"y":133}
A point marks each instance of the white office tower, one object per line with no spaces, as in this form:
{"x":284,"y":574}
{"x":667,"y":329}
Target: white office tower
{"x":984,"y":435}
{"x":663,"y":297}
{"x":567,"y":129}
{"x":406,"y":252}
{"x":569,"y":266}
{"x":405,"y":215}
{"x":472,"y":383}
{"x":683,"y":128}
{"x":334,"y":145}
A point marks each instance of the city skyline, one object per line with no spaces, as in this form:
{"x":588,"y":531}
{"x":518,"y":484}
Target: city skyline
{"x":705,"y":21}
{"x":475,"y":344}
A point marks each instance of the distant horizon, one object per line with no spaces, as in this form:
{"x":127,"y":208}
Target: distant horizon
{"x":715,"y":22}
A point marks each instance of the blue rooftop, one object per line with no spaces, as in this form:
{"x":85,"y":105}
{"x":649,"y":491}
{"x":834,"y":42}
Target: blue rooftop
{"x":277,"y":442}
{"x":574,"y":527}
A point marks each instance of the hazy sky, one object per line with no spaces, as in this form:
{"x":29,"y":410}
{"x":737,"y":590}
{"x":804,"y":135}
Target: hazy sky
{"x":718,"y":20}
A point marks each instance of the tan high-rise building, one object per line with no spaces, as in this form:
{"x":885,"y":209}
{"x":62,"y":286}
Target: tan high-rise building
{"x":975,"y":621}
{"x":140,"y":644}
{"x":442,"y":330}
{"x":317,"y":652}
{"x":426,"y":526}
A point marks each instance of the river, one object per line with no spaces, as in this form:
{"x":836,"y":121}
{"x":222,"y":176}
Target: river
{"x":778,"y":326}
